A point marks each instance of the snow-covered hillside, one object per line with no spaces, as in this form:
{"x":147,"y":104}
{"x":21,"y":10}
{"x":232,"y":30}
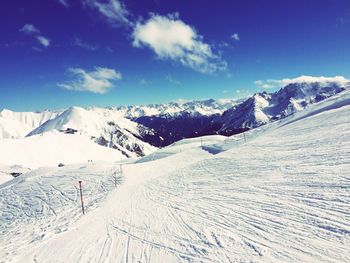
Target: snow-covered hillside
{"x":8,"y":172}
{"x":136,"y":130}
{"x":278,"y":194}
{"x":52,"y":148}
{"x":19,"y":124}
{"x":104,"y":126}
{"x":260,"y":109}
{"x":265,"y":107}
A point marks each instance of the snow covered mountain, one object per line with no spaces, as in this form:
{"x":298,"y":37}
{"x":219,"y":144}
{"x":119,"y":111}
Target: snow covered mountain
{"x":241,"y":115}
{"x":18,"y":124}
{"x":52,"y":148}
{"x":265,"y":107}
{"x":283,"y":198}
{"x":194,"y":108}
{"x":104,"y":126}
{"x":136,"y":130}
{"x":127,"y":127}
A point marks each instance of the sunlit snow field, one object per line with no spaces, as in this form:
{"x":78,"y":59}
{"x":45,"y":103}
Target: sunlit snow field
{"x":282,"y":194}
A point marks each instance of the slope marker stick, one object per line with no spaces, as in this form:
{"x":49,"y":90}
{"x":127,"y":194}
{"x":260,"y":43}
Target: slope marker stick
{"x":115,"y":179}
{"x":81,"y":197}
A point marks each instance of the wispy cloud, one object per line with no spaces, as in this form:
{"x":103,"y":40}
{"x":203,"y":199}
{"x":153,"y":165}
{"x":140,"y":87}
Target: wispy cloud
{"x":98,"y":81}
{"x":181,"y":101}
{"x":29,"y":29}
{"x":273,"y":83}
{"x":235,"y":37}
{"x":170,"y":38}
{"x":64,"y":2}
{"x":43,"y":41}
{"x":170,"y":79}
{"x":113,"y":10}
{"x":80,"y":43}
{"x":144,"y":82}
{"x":343,"y":21}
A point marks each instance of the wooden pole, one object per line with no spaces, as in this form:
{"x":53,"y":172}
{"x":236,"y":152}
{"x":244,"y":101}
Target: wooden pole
{"x":115,"y":179}
{"x":81,"y":197}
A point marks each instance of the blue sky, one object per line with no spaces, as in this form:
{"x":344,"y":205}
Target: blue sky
{"x":59,"y":53}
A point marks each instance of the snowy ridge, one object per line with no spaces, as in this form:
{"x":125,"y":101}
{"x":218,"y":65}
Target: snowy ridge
{"x":106,"y":127}
{"x":19,"y":124}
{"x":260,"y":109}
{"x":137,"y":130}
{"x":204,"y":107}
{"x":265,"y":107}
{"x":281,"y":195}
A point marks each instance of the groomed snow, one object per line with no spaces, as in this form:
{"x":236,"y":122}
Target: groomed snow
{"x":5,"y":177}
{"x":280,"y":196}
{"x":52,"y":148}
{"x":6,"y":170}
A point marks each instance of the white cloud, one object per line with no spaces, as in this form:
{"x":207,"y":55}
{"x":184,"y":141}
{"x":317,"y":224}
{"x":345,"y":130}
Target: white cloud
{"x":181,"y":101}
{"x":43,"y":41}
{"x":37,"y":49}
{"x":80,"y":43}
{"x":172,"y":80}
{"x":64,"y":2}
{"x":273,"y":83}
{"x":235,"y":37}
{"x":171,"y":38}
{"x":144,"y":82}
{"x":98,"y":81}
{"x":29,"y":29}
{"x":113,"y":10}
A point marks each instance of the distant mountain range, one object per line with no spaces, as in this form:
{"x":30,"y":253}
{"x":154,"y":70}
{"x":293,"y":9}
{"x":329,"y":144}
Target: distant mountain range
{"x":240,"y":115}
{"x":137,"y":130}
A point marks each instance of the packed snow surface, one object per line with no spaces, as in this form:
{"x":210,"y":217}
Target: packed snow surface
{"x":52,"y":148}
{"x":7,"y":171}
{"x":19,"y":124}
{"x":280,"y":193}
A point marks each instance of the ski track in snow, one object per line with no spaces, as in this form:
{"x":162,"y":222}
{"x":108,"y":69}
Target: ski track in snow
{"x":46,"y":201}
{"x":282,"y":196}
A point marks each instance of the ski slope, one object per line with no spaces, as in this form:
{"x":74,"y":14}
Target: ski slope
{"x":281,"y":195}
{"x":52,"y":148}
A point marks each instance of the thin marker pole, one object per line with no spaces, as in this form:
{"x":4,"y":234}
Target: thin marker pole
{"x":115,"y":179}
{"x":244,"y":136}
{"x":81,"y":197}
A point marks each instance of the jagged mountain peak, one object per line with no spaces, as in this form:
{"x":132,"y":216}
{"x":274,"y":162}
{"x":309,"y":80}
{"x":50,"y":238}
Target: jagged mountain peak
{"x":18,"y":124}
{"x":264,"y":107}
{"x":197,"y":107}
{"x":104,"y":126}
{"x":131,"y":129}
